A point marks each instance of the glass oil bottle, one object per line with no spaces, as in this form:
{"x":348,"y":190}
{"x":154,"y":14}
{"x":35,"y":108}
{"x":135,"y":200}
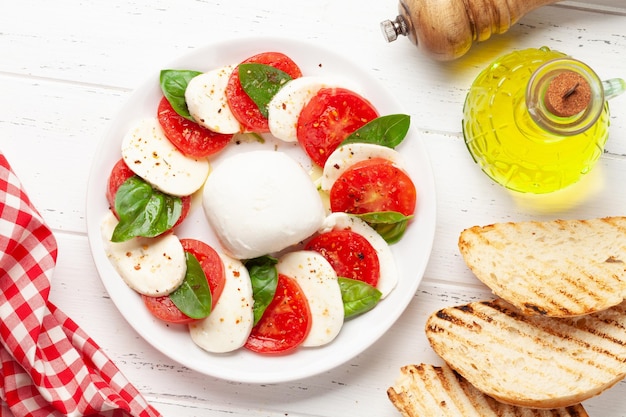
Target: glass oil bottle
{"x":536,"y":120}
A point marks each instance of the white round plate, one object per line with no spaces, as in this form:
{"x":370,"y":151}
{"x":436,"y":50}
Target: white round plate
{"x":411,"y":253}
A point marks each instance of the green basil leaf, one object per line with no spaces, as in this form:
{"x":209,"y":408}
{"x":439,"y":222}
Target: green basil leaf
{"x":173,"y":85}
{"x":264,"y":278}
{"x":261,"y":82}
{"x":391,"y":225}
{"x":193,"y":296}
{"x":358,"y":297}
{"x":144,"y":211}
{"x":392,"y":233}
{"x":387,"y":131}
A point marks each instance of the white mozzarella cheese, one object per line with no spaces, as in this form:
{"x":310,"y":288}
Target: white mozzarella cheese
{"x":150,"y":266}
{"x":228,"y":326}
{"x":149,"y":154}
{"x":261,"y":202}
{"x":286,"y":105}
{"x":347,"y":155}
{"x":206,"y":100}
{"x":318,"y":281}
{"x":388,"y":270}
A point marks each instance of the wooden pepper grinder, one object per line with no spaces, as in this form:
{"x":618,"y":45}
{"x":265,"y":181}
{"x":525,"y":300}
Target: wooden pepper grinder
{"x":446,"y":29}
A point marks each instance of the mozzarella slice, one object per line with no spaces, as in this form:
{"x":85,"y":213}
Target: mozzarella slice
{"x":347,"y":155}
{"x":150,"y":266}
{"x":149,"y":154}
{"x":261,"y":202}
{"x":318,"y":281}
{"x":228,"y":326}
{"x":388,"y":270}
{"x":206,"y":100}
{"x":286,"y":105}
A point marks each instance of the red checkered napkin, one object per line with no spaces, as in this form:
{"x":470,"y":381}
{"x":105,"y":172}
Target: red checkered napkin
{"x":49,"y":366}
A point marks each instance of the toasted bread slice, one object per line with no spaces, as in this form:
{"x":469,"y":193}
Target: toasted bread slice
{"x":438,"y":391}
{"x":531,"y":361}
{"x":560,"y":268}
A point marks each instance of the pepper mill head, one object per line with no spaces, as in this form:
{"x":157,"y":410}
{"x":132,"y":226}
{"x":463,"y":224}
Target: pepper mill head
{"x":392,"y":29}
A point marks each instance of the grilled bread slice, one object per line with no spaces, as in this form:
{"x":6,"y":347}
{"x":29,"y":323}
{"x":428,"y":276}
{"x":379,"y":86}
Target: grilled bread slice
{"x":531,"y":361}
{"x":438,"y":391}
{"x":560,"y":268}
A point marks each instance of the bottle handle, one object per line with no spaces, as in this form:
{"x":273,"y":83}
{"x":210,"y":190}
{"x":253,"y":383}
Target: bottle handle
{"x":613,"y":87}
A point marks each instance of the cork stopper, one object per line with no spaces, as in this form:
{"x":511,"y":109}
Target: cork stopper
{"x":568,"y":94}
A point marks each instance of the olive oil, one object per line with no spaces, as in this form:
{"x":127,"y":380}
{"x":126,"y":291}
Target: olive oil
{"x":510,"y":144}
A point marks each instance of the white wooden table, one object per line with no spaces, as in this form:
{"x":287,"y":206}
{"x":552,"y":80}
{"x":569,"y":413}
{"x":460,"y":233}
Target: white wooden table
{"x":67,"y":66}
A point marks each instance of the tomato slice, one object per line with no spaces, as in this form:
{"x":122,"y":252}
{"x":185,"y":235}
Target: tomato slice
{"x":330,"y":117}
{"x":285,"y":323}
{"x":350,"y":254}
{"x":190,"y":138}
{"x":119,"y":174}
{"x":373,"y":185}
{"x":211,"y":264}
{"x":164,"y":308}
{"x":243,"y":108}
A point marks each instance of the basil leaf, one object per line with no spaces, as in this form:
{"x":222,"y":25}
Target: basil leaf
{"x":193,"y":296}
{"x":387,"y":131}
{"x":261,"y":82}
{"x":358,"y":297}
{"x":264,"y":278}
{"x":391,"y":225}
{"x":173,"y":85}
{"x":144,"y":211}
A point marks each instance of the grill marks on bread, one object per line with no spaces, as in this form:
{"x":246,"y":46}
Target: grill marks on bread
{"x":531,"y":361}
{"x":427,"y":390}
{"x":557,"y":268}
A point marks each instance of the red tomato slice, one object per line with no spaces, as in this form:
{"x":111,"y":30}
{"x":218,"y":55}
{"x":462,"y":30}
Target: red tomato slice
{"x":373,"y":185}
{"x":350,"y":254}
{"x":120,"y":173}
{"x":164,"y":308}
{"x":190,"y":138}
{"x":330,"y":117}
{"x":211,"y":264}
{"x":285,"y":323}
{"x":244,"y":109}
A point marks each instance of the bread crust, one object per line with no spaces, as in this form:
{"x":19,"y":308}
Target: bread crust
{"x":560,"y":268}
{"x":428,"y":390}
{"x":531,"y":361}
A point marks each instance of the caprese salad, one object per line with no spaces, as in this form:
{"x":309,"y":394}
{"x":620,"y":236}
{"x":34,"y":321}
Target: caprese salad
{"x":299,"y":254}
